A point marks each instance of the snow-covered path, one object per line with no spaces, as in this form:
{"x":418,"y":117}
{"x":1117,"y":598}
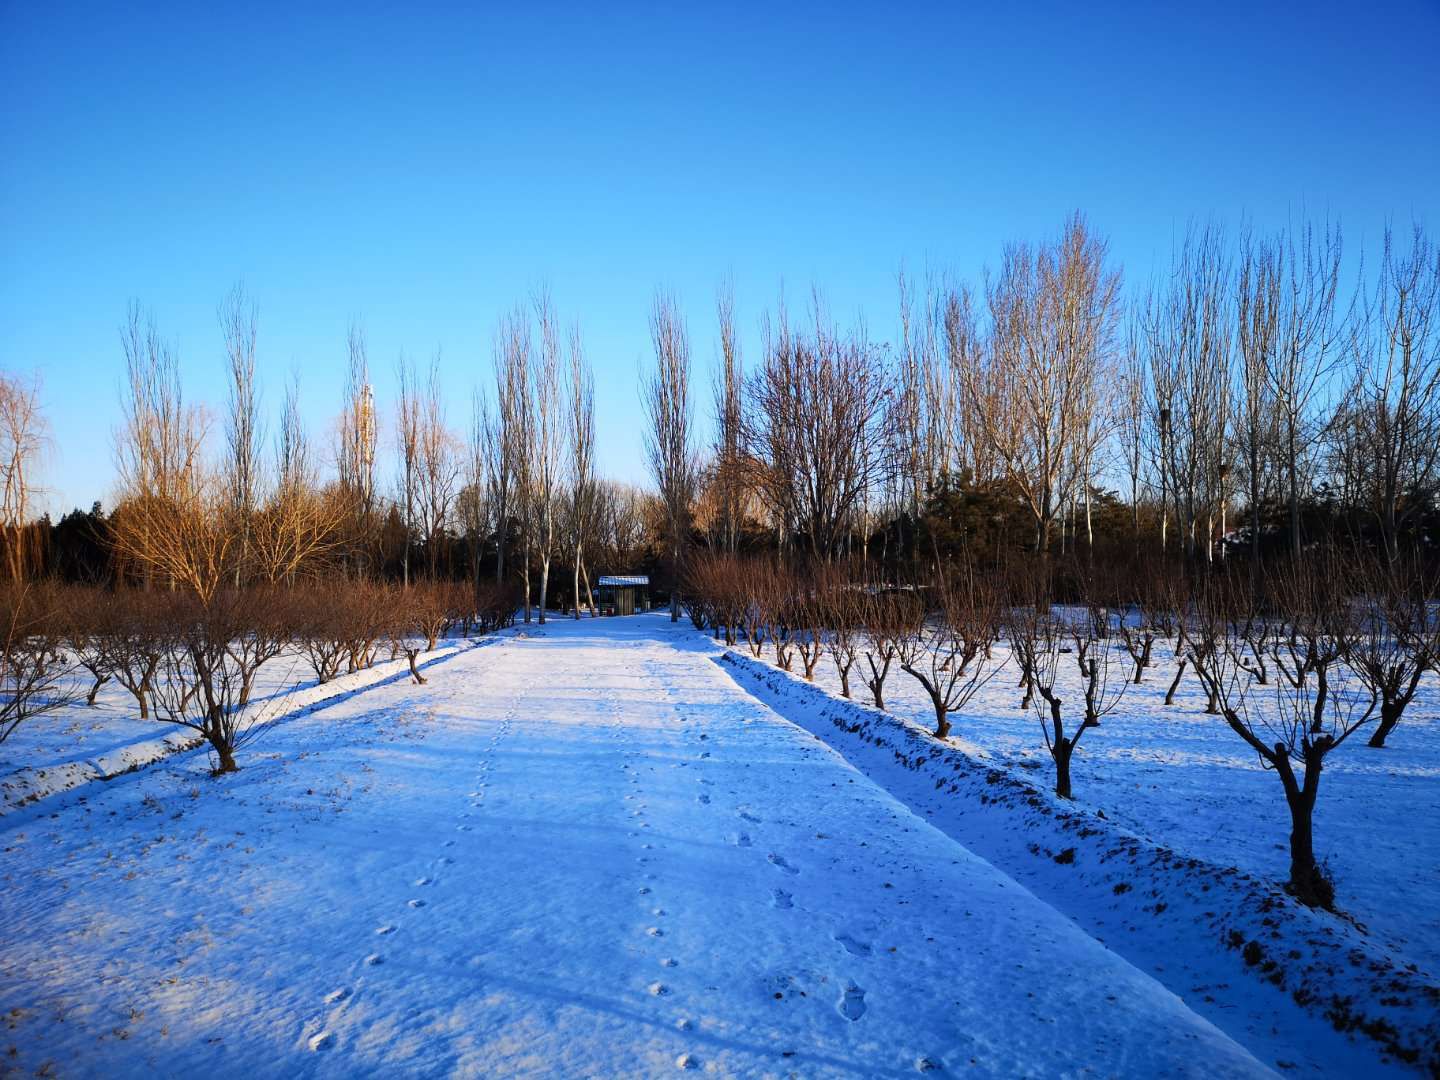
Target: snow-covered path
{"x":581,"y":851}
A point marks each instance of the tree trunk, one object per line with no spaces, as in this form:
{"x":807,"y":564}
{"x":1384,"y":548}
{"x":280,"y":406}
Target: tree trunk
{"x":1389,"y":716}
{"x":544,"y":586}
{"x":1180,"y":674}
{"x":100,"y":680}
{"x":590,"y":595}
{"x":1092,"y":714}
{"x":1307,"y":883}
{"x":942,"y":718}
{"x":577,"y":584}
{"x":411,"y":654}
{"x":224,"y":753}
{"x":1143,"y":660}
{"x":1062,"y":753}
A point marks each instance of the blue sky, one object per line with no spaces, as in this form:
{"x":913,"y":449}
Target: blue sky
{"x":424,"y":173}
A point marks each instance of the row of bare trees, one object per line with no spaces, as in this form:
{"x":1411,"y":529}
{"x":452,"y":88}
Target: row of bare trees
{"x":1261,"y":394}
{"x":1335,"y":643}
{"x":192,"y":660}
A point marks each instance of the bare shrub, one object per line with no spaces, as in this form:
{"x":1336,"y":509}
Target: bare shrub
{"x":843,"y":612}
{"x":33,"y":666}
{"x":1038,"y":639}
{"x":888,"y":615}
{"x":949,"y":651}
{"x":138,"y":627}
{"x":84,"y":615}
{"x":495,"y":606}
{"x":321,"y":617}
{"x":1393,"y":638}
{"x":1277,"y":722}
{"x":204,"y":676}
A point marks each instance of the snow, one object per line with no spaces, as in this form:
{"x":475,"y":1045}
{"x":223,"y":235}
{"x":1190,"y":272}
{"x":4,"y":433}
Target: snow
{"x":582,"y":850}
{"x":58,"y":752}
{"x":1184,"y":779}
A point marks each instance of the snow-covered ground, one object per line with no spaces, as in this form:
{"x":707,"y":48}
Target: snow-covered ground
{"x":1184,"y":779}
{"x":581,"y":851}
{"x":82,"y":744}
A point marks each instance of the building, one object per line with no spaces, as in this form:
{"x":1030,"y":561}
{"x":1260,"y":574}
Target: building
{"x":622,"y":594}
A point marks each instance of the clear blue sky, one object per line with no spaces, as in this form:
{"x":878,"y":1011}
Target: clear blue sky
{"x":423,"y":173}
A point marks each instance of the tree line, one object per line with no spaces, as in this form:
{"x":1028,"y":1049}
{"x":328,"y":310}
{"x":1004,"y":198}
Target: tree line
{"x":1256,"y":397}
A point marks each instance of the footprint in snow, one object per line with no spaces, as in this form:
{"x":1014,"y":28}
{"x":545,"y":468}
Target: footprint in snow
{"x":852,"y":1003}
{"x":416,"y":903}
{"x":780,"y":863}
{"x":421,"y":881}
{"x":703,"y":798}
{"x":374,"y":960}
{"x":781,"y":899}
{"x":388,"y":929}
{"x":750,"y":818}
{"x":336,"y":996}
{"x":322,"y":1041}
{"x":853,"y":946}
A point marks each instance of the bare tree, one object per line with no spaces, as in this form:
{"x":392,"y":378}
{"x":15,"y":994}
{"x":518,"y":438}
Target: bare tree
{"x":582,"y":459}
{"x":1393,"y":637}
{"x":204,"y":680}
{"x":33,"y":667}
{"x":1278,"y":723}
{"x":238,"y":319}
{"x":949,"y":652}
{"x":889,"y":618}
{"x":1053,"y":313}
{"x":438,"y":469}
{"x":729,"y":427}
{"x":475,"y":501}
{"x":298,"y":526}
{"x":547,"y":445}
{"x":669,"y":443}
{"x":173,"y":522}
{"x":1256,"y":435}
{"x":842,"y":607}
{"x":23,"y":436}
{"x":1307,"y":332}
{"x":409,"y":418}
{"x":511,"y":464}
{"x":355,"y":453}
{"x":814,"y":433}
{"x":1394,"y":406}
{"x":1188,"y":334}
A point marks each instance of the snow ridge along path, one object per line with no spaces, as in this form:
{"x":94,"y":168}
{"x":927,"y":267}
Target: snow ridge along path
{"x":582,"y":851}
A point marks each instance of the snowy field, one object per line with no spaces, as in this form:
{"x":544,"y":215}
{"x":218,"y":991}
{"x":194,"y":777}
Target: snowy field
{"x":583,"y":850}
{"x":66,"y":749}
{"x":1184,"y":779}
